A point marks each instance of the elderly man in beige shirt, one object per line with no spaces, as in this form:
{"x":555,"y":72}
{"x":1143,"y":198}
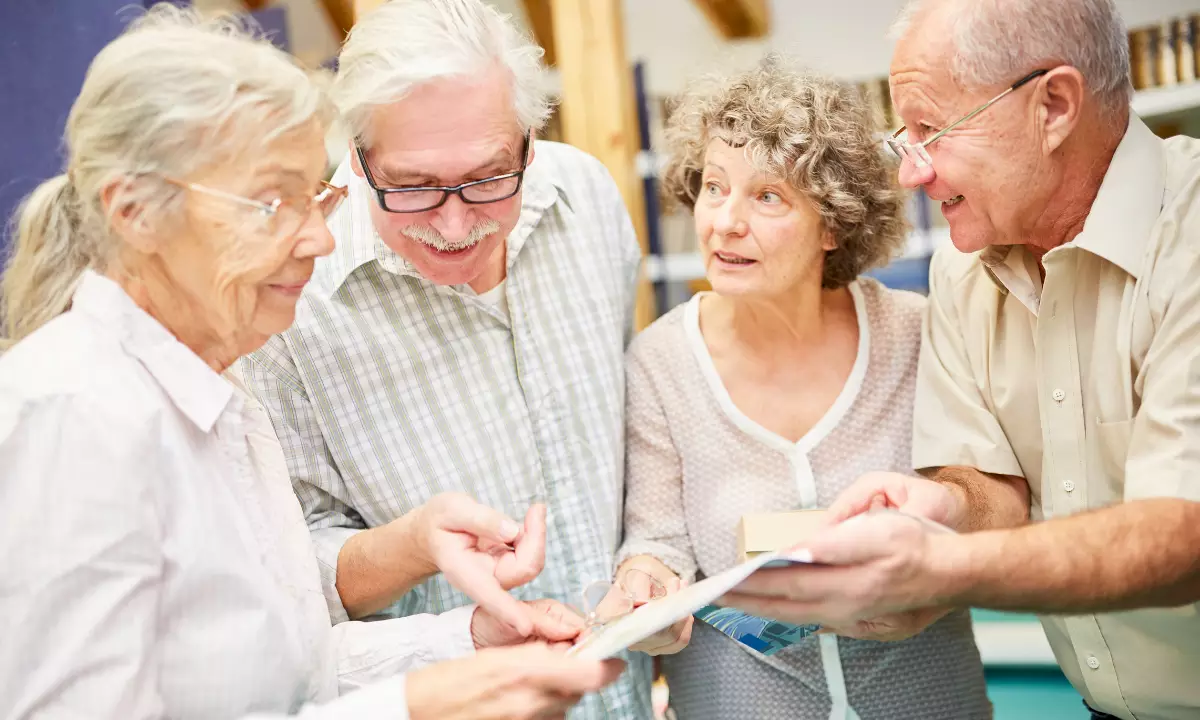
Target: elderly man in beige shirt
{"x":1058,"y":399}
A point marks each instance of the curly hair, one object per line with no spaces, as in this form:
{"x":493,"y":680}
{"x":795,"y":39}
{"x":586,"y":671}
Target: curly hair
{"x":809,"y":129}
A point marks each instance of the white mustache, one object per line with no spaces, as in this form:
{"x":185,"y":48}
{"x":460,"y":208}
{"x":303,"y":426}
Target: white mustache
{"x":433,"y":238}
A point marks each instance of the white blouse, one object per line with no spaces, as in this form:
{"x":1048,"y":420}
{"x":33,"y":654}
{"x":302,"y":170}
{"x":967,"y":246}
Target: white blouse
{"x":155,"y":561}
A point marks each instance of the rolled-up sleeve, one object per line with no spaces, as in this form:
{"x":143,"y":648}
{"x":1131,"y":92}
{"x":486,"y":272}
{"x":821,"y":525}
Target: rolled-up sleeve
{"x":655,"y":523}
{"x":952,"y":422}
{"x":270,"y":374}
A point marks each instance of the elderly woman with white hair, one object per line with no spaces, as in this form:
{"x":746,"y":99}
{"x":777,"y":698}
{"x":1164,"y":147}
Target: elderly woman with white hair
{"x":776,"y":390}
{"x":156,"y":563}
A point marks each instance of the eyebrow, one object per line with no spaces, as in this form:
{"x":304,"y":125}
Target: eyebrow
{"x":498,"y":161}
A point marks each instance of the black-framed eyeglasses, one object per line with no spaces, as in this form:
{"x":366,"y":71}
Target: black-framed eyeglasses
{"x":431,"y":197}
{"x":917,"y":154}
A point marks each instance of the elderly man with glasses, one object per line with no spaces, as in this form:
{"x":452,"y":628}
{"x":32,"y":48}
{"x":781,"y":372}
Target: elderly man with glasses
{"x":466,"y":337}
{"x":1058,"y":403}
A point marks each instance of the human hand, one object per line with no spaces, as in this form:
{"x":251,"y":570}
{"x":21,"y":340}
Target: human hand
{"x":518,"y":683}
{"x":483,"y":553}
{"x":890,"y":628}
{"x":640,"y":585}
{"x":552,"y":622}
{"x":866,"y":568}
{"x":910,"y":495}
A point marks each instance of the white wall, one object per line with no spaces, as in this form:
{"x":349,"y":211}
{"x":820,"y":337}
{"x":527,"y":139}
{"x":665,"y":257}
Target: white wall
{"x":847,"y":38}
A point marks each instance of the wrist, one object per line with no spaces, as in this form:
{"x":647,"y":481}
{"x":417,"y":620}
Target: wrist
{"x":952,"y":562}
{"x":477,"y":639}
{"x":959,"y":509}
{"x":407,"y":538}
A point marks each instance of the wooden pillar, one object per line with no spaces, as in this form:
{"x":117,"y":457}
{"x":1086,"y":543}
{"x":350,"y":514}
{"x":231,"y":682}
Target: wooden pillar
{"x":598,"y":111}
{"x":361,"y":7}
{"x":541,"y":23}
{"x":737,"y":19}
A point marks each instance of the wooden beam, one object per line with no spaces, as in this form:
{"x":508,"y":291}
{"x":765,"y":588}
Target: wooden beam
{"x":598,"y":111}
{"x":253,"y":5}
{"x":362,"y":7}
{"x":737,"y":19}
{"x":341,"y":14}
{"x":541,"y":22}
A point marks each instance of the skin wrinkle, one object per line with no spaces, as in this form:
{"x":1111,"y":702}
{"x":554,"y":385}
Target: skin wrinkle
{"x":206,"y":276}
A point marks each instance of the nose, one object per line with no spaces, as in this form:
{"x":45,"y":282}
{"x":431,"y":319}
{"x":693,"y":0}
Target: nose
{"x":730,"y":218}
{"x":314,"y":238}
{"x":452,"y":220}
{"x":913,"y":176}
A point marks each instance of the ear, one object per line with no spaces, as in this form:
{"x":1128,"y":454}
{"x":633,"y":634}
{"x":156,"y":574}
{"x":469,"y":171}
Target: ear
{"x":828,"y":244}
{"x":128,"y":219}
{"x":532,"y":145}
{"x":355,"y":165}
{"x":1061,"y":94}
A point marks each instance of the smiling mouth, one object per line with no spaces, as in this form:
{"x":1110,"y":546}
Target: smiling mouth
{"x":732,"y":259}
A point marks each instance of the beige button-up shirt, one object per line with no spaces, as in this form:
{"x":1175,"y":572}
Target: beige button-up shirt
{"x":1088,"y":386}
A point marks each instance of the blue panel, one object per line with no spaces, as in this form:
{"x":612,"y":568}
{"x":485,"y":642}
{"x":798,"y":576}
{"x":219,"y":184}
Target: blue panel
{"x":45,"y":48}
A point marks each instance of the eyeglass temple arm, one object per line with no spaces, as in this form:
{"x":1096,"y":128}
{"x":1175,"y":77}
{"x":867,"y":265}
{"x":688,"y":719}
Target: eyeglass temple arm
{"x":265,"y":207}
{"x":1012,"y":88}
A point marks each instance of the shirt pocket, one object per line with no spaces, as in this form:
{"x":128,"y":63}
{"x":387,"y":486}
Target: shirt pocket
{"x":1112,"y":446}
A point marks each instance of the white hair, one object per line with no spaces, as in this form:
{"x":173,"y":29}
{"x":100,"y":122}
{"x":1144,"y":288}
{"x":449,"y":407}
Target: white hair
{"x":172,"y":95}
{"x":406,"y":43}
{"x":999,"y":41}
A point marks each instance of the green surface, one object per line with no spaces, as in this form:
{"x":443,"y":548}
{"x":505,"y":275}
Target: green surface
{"x":994,"y":616}
{"x":1035,"y":694}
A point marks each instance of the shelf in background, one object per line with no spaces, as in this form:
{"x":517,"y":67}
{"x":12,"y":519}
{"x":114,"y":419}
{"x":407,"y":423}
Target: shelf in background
{"x":684,"y":267}
{"x":1166,"y":100}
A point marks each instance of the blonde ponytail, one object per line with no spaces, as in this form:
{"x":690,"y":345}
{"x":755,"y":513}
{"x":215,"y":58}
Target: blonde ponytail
{"x":47,"y":259}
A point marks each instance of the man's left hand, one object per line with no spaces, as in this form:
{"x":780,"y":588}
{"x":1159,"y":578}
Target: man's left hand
{"x":890,"y":628}
{"x":552,"y":623}
{"x":867,"y":568}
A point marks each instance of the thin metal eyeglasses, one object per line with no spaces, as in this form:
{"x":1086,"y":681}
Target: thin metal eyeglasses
{"x":279,"y":219}
{"x":430,"y":197}
{"x":607,"y":600}
{"x":917,"y":154}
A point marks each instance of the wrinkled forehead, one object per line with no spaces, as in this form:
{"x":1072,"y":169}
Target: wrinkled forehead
{"x":925,"y":52}
{"x":451,"y":125}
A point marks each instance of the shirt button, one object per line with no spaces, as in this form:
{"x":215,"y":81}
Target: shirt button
{"x":1058,"y":395}
{"x":1068,"y":486}
{"x":1092,"y":662}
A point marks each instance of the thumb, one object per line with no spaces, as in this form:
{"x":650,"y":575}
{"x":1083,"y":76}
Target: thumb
{"x":567,"y":675}
{"x":858,"y":540}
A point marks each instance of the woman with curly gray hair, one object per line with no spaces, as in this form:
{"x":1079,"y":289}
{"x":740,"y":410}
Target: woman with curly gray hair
{"x":774,"y":392}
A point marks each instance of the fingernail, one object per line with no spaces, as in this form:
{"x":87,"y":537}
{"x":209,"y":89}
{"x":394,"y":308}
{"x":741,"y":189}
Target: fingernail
{"x":509,"y":529}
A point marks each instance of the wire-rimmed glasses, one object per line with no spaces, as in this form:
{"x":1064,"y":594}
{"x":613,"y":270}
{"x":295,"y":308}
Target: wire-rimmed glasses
{"x":430,"y":197}
{"x":918,"y":155}
{"x":281,"y":218}
{"x":604,"y":601}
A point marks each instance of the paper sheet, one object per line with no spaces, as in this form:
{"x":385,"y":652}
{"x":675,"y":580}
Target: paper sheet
{"x":661,"y":614}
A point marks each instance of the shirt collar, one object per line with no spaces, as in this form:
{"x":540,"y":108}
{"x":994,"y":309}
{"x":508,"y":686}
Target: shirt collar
{"x":1119,"y":225}
{"x":195,"y":389}
{"x":358,"y":242}
{"x":1121,"y":219}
